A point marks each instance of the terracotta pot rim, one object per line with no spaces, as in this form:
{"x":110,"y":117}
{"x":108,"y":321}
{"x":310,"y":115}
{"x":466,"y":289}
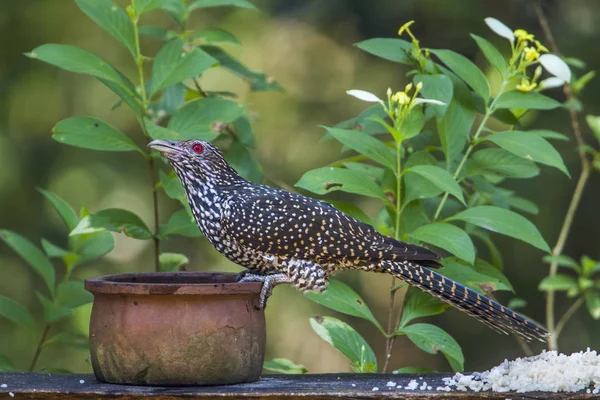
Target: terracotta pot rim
{"x":172,"y":283}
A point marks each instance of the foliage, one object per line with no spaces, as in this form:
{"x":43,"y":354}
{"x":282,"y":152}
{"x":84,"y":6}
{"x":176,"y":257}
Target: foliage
{"x":60,"y":297}
{"x":413,"y":174}
{"x":168,"y":104}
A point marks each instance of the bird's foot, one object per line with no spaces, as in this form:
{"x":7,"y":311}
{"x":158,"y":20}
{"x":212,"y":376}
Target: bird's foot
{"x":268,"y":281}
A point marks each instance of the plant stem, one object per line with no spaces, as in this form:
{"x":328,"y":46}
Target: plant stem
{"x":577,"y":194}
{"x":390,"y":339}
{"x":38,"y":350}
{"x":488,"y":113}
{"x":140,"y":66}
{"x":567,"y":315}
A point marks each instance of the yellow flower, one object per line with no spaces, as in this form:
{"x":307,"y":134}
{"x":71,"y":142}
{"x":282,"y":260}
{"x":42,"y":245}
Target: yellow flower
{"x":405,"y":28}
{"x":541,"y":47}
{"x":408,"y":88}
{"x":522,"y":34}
{"x":526,"y":86}
{"x":401,"y":98}
{"x":531,"y":54}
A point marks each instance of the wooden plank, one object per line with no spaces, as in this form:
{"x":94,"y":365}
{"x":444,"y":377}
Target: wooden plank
{"x":309,"y":386}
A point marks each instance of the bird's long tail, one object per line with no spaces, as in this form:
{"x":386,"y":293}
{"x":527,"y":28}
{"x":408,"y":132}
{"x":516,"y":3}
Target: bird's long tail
{"x":491,"y":313}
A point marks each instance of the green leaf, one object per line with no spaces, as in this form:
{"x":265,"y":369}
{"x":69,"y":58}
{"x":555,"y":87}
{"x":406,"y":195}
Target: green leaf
{"x":63,"y":209}
{"x":436,"y":87}
{"x":341,"y":298}
{"x":244,"y":162}
{"x":172,"y":262}
{"x":181,"y":224}
{"x":482,"y":277}
{"x":52,"y":311}
{"x":432,"y":339}
{"x":389,"y":49}
{"x":94,"y":245}
{"x":592,"y":300}
{"x":284,"y":366}
{"x":548,"y":134}
{"x":522,"y":204}
{"x":347,"y":341}
{"x":116,"y":220}
{"x":365,"y":144}
{"x":503,"y":221}
{"x":15,"y":312}
{"x":91,"y":133}
{"x":365,"y":121}
{"x":76,"y":60}
{"x":530,"y":147}
{"x":563,"y":261}
{"x":142,"y":6}
{"x":72,"y":294}
{"x":416,"y":186}
{"x":412,"y":124}
{"x":218,"y":3}
{"x":492,"y":54}
{"x":438,"y":177}
{"x":73,"y":340}
{"x":52,"y":250}
{"x":329,"y":179}
{"x":558,"y":282}
{"x":112,"y":19}
{"x":34,"y":256}
{"x":593,"y":122}
{"x":420,"y":304}
{"x":516,"y":303}
{"x":199,"y":119}
{"x":500,"y":163}
{"x":351,"y":210}
{"x":172,"y":186}
{"x":160,"y":132}
{"x":448,"y":237}
{"x":259,"y":81}
{"x":213,"y":36}
{"x":6,"y":364}
{"x":455,"y":126}
{"x":466,"y":70}
{"x":530,"y":100}
{"x":175,"y":62}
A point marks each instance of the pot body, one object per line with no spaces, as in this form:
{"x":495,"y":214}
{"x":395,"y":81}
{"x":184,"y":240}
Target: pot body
{"x":184,"y":328}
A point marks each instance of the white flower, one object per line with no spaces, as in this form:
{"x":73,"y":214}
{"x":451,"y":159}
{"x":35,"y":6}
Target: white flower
{"x":419,"y":100}
{"x":556,"y":66}
{"x":552,"y":82}
{"x":364,"y":96}
{"x":500,"y":29}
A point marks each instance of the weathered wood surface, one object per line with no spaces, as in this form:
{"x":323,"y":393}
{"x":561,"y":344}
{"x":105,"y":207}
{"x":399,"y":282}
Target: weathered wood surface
{"x":309,"y":386}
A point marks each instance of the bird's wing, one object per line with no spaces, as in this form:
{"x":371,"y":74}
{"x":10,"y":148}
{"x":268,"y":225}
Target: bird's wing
{"x":288,"y":224}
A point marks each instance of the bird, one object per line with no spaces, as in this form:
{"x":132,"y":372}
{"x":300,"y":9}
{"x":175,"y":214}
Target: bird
{"x":282,"y":237}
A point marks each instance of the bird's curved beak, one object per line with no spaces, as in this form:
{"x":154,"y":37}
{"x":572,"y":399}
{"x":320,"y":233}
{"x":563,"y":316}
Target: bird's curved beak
{"x":165,"y":147}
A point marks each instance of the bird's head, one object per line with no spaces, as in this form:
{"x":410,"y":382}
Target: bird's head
{"x":195,"y":157}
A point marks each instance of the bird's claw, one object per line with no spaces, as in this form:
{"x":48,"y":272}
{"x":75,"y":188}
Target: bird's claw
{"x":268,"y":283}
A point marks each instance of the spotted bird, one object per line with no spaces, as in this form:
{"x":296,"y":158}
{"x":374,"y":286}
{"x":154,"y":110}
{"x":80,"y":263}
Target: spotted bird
{"x":284,"y":237}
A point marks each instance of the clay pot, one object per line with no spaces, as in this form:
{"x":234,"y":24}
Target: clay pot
{"x":184,"y":328}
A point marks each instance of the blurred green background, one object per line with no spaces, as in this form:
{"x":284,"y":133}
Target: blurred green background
{"x":307,"y":46}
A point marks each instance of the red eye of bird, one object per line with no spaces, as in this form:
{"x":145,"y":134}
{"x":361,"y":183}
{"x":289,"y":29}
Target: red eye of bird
{"x":197,"y":148}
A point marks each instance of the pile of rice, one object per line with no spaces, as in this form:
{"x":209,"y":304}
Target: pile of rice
{"x":546,"y":372}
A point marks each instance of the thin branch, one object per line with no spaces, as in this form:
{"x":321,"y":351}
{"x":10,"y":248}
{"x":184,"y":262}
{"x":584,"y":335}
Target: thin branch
{"x":140,"y":66}
{"x":40,"y":345}
{"x":579,"y":188}
{"x":389,"y":340}
{"x":567,"y":315}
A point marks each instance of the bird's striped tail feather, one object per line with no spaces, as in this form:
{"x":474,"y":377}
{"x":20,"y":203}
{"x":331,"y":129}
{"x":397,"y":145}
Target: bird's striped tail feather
{"x":491,"y":313}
